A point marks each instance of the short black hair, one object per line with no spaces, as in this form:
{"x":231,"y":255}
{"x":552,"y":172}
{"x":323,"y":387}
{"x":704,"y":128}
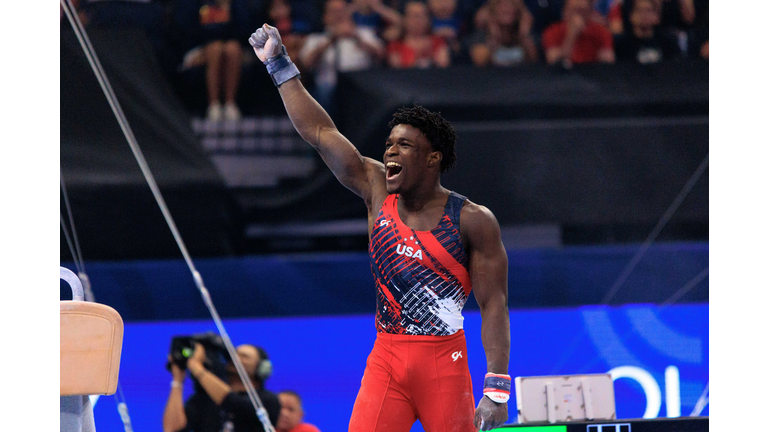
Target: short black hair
{"x":435,"y":128}
{"x":292,"y":393}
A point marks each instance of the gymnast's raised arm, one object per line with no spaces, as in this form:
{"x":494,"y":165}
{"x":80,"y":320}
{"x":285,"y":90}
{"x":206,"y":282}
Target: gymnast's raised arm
{"x":355,"y":172}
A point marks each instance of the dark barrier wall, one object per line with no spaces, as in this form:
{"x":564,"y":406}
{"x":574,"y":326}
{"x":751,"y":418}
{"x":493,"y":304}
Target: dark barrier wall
{"x":600,"y":145}
{"x":597,"y":145}
{"x":341,"y":284}
{"x":94,"y":150}
{"x":114,"y":211}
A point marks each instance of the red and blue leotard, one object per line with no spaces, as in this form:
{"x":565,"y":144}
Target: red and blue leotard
{"x":422,"y":278}
{"x":418,"y":367}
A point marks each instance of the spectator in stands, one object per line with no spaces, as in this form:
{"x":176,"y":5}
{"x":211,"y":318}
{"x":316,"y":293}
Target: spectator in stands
{"x":447,"y":23}
{"x":615,"y":18}
{"x":482,"y":19}
{"x":216,"y":27}
{"x":543,"y":14}
{"x":292,"y":414}
{"x":675,"y":15}
{"x":507,"y":41}
{"x":374,"y":14}
{"x":223,"y":59}
{"x":279,"y":13}
{"x":577,"y":38}
{"x":698,"y":44}
{"x":342,"y":47}
{"x":644,"y":43}
{"x":602,"y":7}
{"x":418,"y":47}
{"x":216,"y":404}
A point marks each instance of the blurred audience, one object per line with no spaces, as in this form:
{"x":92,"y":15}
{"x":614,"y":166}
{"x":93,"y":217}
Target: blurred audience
{"x":643,"y":42}
{"x":447,"y":23}
{"x":699,"y":35}
{"x":677,"y":15}
{"x":223,"y":59}
{"x":384,"y":20}
{"x":218,"y":30}
{"x":279,"y":16}
{"x":207,"y":37}
{"x":577,"y":38}
{"x":292,"y":414}
{"x":342,"y":47}
{"x":418,"y":47}
{"x":507,"y":39}
{"x":674,"y":15}
{"x":600,"y":9}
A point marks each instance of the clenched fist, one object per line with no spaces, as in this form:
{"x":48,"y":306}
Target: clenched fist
{"x":490,"y":415}
{"x":266,"y":42}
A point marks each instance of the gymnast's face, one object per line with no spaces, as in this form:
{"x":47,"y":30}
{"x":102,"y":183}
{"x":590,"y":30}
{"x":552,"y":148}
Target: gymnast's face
{"x":407,"y":158}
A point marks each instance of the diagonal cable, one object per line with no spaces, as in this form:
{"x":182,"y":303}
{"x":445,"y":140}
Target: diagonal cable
{"x":656,"y":230}
{"x":79,"y":256}
{"x":641,"y":252}
{"x":668,"y":302}
{"x":684,"y":290}
{"x":123,"y":122}
{"x":69,"y":242}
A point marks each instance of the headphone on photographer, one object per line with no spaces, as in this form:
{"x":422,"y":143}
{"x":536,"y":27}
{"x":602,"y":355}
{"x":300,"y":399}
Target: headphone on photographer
{"x":264,"y":367}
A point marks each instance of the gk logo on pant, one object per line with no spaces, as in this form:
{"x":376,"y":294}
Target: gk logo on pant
{"x":455,"y":356}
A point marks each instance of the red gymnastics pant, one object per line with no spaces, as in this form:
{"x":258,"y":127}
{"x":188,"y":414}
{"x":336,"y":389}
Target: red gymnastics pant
{"x":415,"y":377}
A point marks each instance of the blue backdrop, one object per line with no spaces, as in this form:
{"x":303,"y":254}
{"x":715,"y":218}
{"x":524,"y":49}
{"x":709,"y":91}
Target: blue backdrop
{"x":323,"y":358}
{"x":341,"y":283}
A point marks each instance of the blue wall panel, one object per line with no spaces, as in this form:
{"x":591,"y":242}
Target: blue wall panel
{"x":323,"y":358}
{"x":341,"y":284}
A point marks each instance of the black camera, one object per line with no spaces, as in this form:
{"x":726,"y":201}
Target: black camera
{"x":216,"y":354}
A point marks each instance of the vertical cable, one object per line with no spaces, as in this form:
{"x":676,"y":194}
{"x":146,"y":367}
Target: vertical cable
{"x":125,"y":127}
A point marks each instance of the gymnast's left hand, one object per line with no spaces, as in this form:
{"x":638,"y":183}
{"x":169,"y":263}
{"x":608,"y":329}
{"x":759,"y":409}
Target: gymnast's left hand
{"x":489,"y":414}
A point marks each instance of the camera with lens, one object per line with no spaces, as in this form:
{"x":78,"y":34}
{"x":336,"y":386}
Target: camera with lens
{"x":216,"y":355}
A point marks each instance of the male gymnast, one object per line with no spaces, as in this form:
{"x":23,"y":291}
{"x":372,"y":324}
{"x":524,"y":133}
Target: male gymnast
{"x":429,"y":247}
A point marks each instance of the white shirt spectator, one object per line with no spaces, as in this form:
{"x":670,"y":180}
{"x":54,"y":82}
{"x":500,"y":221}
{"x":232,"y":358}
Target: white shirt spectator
{"x":344,"y":55}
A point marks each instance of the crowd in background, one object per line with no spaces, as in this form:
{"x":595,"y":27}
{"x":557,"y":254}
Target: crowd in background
{"x":324,"y":37}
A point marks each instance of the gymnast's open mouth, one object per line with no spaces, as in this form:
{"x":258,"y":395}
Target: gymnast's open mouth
{"x":393,"y":170}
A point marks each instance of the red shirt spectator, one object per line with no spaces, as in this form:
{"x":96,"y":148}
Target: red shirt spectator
{"x":410,"y":57}
{"x":292,"y":414}
{"x":305,"y":427}
{"x":592,"y":39}
{"x":577,"y":38}
{"x":418,"y":47}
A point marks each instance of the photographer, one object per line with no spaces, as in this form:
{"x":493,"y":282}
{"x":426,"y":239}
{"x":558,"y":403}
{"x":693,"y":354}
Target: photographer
{"x":219,"y":404}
